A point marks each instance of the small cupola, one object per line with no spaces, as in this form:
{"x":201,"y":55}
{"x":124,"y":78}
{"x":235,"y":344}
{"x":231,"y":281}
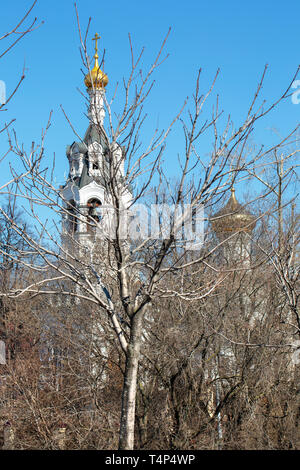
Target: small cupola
{"x":233,"y":217}
{"x":95,"y":78}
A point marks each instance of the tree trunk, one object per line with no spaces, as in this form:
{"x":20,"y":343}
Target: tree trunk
{"x":126,"y":440}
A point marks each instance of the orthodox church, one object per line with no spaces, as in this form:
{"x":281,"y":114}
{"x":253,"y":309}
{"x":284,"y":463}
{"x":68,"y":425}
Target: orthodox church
{"x":233,"y":225}
{"x":94,"y":163}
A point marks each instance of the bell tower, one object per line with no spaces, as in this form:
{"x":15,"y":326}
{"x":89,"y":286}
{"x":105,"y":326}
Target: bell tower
{"x":94,"y":163}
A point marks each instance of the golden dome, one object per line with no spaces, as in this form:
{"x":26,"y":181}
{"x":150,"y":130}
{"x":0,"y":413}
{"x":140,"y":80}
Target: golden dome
{"x":96,"y":78}
{"x":233,"y":217}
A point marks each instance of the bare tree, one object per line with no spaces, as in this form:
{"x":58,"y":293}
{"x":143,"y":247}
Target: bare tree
{"x":282,"y":247}
{"x":9,"y":40}
{"x":124,"y":284}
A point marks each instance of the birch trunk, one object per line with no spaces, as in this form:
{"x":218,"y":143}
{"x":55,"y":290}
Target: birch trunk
{"x":126,"y":441}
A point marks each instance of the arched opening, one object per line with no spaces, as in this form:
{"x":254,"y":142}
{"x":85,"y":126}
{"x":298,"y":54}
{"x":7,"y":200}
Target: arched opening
{"x":94,"y":213}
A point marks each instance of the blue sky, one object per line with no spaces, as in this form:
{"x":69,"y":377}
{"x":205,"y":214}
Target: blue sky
{"x":237,"y":37}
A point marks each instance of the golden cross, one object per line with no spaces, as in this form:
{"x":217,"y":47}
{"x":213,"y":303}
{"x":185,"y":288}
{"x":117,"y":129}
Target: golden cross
{"x":96,"y":42}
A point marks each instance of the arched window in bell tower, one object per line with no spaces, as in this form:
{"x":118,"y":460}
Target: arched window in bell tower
{"x":94,"y":213}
